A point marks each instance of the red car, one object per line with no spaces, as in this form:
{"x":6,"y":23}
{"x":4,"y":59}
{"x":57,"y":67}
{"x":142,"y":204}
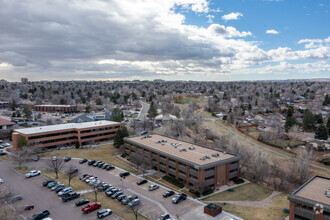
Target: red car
{"x":29,"y":207}
{"x":87,"y":177}
{"x":91,"y":207}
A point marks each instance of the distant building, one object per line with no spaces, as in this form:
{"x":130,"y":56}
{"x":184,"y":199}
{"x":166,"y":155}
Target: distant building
{"x":311,"y":201}
{"x":4,"y":104}
{"x":67,"y":134}
{"x":55,"y":108}
{"x":5,"y":124}
{"x":190,"y":163}
{"x":24,"y":80}
{"x":86,"y":117}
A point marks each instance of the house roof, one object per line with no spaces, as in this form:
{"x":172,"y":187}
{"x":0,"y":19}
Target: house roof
{"x":5,"y":122}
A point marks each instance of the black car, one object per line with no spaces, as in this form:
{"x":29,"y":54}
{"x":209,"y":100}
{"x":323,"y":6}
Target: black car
{"x":70,"y":196}
{"x":82,"y":202}
{"x":67,"y":159}
{"x":124,"y":174}
{"x":2,"y":153}
{"x":140,"y":182}
{"x":110,"y":167}
{"x":179,"y":198}
{"x":168,"y":194}
{"x":83,"y":161}
{"x":100,"y":164}
{"x":91,"y":162}
{"x":40,"y":215}
{"x":47,"y":182}
{"x":74,"y":170}
{"x":59,"y":189}
{"x":105,"y":187}
{"x":36,"y":158}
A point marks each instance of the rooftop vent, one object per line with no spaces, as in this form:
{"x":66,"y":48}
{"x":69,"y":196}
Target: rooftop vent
{"x":224,"y":152}
{"x":183,"y":149}
{"x":207,"y":157}
{"x":192,"y":148}
{"x":203,"y":158}
{"x":215,"y":155}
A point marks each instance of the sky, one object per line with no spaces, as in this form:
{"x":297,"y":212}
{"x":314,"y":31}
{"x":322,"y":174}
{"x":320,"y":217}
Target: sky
{"x":202,"y":40}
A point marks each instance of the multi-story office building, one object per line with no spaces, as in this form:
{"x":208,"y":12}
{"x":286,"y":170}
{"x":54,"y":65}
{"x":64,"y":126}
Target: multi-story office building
{"x":311,"y":201}
{"x":55,"y":108}
{"x":190,"y":163}
{"x":67,"y":134}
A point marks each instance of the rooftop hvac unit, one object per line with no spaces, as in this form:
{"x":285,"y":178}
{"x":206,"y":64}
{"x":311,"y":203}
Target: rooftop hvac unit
{"x":215,"y":155}
{"x":183,"y":149}
{"x":224,"y":152}
{"x":192,"y":148}
{"x":207,"y":157}
{"x":164,"y":141}
{"x":202,"y":158}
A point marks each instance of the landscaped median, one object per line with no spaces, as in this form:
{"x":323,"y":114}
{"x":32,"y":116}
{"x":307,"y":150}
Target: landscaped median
{"x":107,"y":153}
{"x":76,"y":184}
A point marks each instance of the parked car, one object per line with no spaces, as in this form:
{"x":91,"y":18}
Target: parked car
{"x":40,"y":215}
{"x":104,"y":187}
{"x":91,"y":162}
{"x":97,"y":163}
{"x":47,"y":182}
{"x":144,"y":132}
{"x":57,"y":186}
{"x":33,"y":173}
{"x":59,"y":189}
{"x":100,"y":164}
{"x":128,"y":199}
{"x":36,"y":158}
{"x":70,"y":196}
{"x":153,"y":187}
{"x":114,"y":196}
{"x":74,"y":170}
{"x":6,"y":144}
{"x":103,"y":213}
{"x":15,"y":198}
{"x":67,"y":159}
{"x":178,"y":198}
{"x":105,"y":166}
{"x":133,"y":203}
{"x":82,"y":202}
{"x":29,"y":207}
{"x":91,"y":207}
{"x":164,"y":216}
{"x":86,"y":177}
{"x":110,"y":193}
{"x":110,"y":167}
{"x":109,"y":189}
{"x":140,"y":182}
{"x":124,"y":174}
{"x":1,"y":181}
{"x":52,"y":184}
{"x":65,"y":191}
{"x":91,"y":179}
{"x":83,"y":161}
{"x":83,"y":176}
{"x":54,"y":158}
{"x":2,"y":153}
{"x":121,"y":197}
{"x":168,"y":194}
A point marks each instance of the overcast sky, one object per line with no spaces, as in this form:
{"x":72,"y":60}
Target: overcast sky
{"x":166,"y":39}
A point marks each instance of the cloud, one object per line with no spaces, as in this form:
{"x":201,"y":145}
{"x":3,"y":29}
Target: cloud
{"x":232,"y":16}
{"x":210,"y":18}
{"x":272,"y":31}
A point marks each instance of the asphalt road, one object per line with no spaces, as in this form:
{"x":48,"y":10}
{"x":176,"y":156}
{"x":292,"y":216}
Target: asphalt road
{"x":33,"y":192}
{"x":144,"y":110}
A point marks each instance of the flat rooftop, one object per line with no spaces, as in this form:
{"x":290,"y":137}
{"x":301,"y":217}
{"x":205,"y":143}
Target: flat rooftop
{"x":194,"y":155}
{"x":315,"y":190}
{"x":66,"y":126}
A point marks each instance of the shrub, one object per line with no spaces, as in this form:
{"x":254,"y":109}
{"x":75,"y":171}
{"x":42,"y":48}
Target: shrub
{"x":195,"y":193}
{"x":173,"y":181}
{"x":207,"y":192}
{"x":123,"y":155}
{"x":238,"y":180}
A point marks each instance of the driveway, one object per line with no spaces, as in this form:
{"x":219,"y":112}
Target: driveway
{"x":33,"y":192}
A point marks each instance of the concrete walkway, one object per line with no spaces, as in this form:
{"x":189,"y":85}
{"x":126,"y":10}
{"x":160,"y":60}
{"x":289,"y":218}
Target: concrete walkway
{"x":261,"y":203}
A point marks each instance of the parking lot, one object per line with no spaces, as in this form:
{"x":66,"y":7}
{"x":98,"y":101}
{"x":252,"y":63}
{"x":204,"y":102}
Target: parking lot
{"x":152,"y":202}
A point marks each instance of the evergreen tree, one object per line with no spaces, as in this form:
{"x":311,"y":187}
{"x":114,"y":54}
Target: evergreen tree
{"x":116,"y":115}
{"x":318,"y":118}
{"x":27,"y":112}
{"x":22,"y":142}
{"x":309,"y":121}
{"x":321,"y":133}
{"x":290,"y":111}
{"x":119,"y":137}
{"x":290,"y":121}
{"x":152,"y":110}
{"x":326,"y":100}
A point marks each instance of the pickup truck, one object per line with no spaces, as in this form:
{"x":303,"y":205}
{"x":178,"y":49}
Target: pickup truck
{"x":91,"y":207}
{"x":70,"y":196}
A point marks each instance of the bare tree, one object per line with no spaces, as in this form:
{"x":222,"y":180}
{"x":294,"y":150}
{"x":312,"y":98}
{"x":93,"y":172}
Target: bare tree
{"x":133,"y":123}
{"x":94,"y":191}
{"x":22,"y":155}
{"x":8,"y":212}
{"x":135,"y":210}
{"x":55,"y":166}
{"x":71,"y":172}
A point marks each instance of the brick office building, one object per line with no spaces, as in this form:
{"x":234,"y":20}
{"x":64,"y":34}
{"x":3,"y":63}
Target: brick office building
{"x":308,"y":200}
{"x":187,"y":162}
{"x":55,"y":108}
{"x":67,"y":134}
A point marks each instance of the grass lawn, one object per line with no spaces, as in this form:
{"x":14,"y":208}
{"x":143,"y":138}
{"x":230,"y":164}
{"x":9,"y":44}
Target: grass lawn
{"x":107,"y":153}
{"x":115,"y":206}
{"x":76,"y":184}
{"x":246,"y":192}
{"x":272,"y":211}
{"x":23,"y":169}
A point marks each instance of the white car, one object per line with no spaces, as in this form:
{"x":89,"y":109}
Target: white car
{"x":33,"y":173}
{"x":65,"y":191}
{"x":153,"y":187}
{"x":104,"y":212}
{"x":1,"y":181}
{"x":6,"y":144}
{"x":55,"y":158}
